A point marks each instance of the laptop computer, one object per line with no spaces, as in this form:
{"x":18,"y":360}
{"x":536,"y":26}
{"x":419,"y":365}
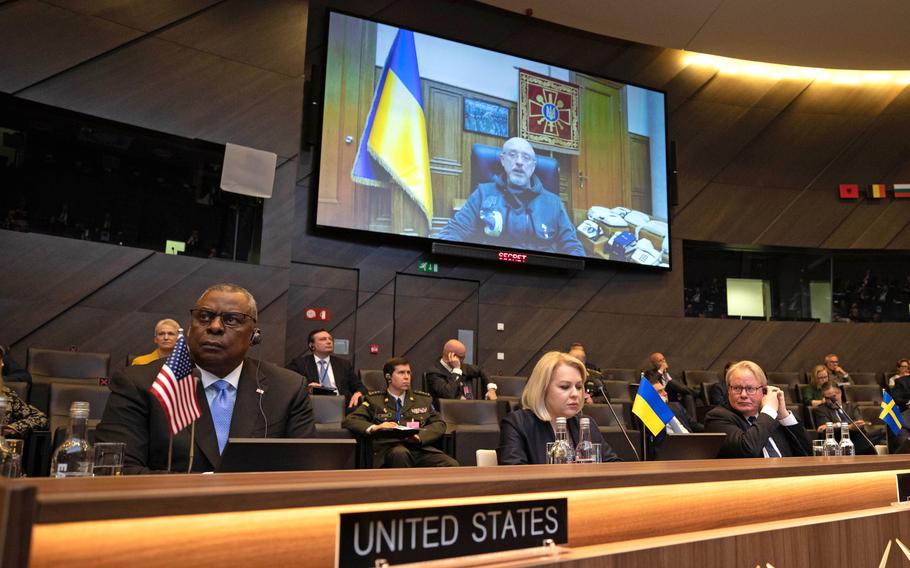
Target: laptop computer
{"x":703,"y":446}
{"x":287,"y":454}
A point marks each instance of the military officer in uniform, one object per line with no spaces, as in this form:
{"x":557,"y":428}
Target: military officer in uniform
{"x":397,"y":406}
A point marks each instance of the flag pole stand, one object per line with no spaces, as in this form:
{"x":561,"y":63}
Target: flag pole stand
{"x":189,"y":467}
{"x":170,"y":451}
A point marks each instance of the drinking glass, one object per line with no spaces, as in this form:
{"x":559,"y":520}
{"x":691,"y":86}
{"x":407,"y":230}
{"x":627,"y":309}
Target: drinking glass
{"x":13,"y":467}
{"x":108,"y":459}
{"x":818,"y":447}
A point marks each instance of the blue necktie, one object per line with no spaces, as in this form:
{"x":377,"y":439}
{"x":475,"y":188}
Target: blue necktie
{"x":398,"y":410}
{"x":324,"y":374}
{"x":772,"y":451}
{"x":222,"y":409}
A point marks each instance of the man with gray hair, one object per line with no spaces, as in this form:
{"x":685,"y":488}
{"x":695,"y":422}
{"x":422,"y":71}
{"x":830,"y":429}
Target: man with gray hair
{"x":515,"y":210}
{"x":238,"y":397}
{"x":756,"y":420}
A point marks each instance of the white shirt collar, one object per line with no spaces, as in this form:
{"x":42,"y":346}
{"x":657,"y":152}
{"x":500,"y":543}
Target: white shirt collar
{"x":445,"y":365}
{"x":208,"y":379}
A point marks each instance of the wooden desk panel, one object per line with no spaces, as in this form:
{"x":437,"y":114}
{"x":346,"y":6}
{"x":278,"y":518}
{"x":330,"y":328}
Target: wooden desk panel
{"x":291,"y":519}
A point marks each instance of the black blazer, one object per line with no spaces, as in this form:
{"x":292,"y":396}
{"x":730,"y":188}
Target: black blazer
{"x":523,"y":439}
{"x":440,"y":383}
{"x":900,"y":392}
{"x":346,"y":379}
{"x":746,"y":441}
{"x":824,"y":413}
{"x":134,"y":416}
{"x":676,"y":390}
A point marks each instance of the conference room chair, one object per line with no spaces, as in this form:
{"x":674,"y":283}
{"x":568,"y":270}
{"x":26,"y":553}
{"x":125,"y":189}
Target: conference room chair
{"x":866,"y":378}
{"x":695,"y":379}
{"x":785,"y":377}
{"x":48,"y":366}
{"x":62,"y":397}
{"x":614,"y":437}
{"x":373,"y":379}
{"x":618,"y":391}
{"x":626,"y":375}
{"x":328,"y":412}
{"x":509,"y":389}
{"x":471,"y":425}
{"x":21,"y":388}
{"x":791,"y":391}
{"x":863,"y":394}
{"x":602,"y":415}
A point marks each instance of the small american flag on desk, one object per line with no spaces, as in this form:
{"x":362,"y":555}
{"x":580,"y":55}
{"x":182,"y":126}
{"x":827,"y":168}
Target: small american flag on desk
{"x":175,"y":388}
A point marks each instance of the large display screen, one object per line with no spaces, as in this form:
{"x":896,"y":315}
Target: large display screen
{"x":427,"y":137}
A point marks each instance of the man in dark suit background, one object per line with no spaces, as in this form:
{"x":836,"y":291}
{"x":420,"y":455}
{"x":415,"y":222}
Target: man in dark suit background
{"x":756,"y":422}
{"x":828,"y":411}
{"x":451,"y":377}
{"x":238,"y":396}
{"x":676,"y":390}
{"x":321,"y":369}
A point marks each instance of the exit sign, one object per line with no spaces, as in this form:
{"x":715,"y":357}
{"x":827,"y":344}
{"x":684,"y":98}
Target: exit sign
{"x":424,"y":266}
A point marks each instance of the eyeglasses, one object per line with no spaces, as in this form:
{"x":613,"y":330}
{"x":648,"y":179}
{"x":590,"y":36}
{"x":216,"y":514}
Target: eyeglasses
{"x":514,"y":155}
{"x":228,"y":319}
{"x":738,"y":389}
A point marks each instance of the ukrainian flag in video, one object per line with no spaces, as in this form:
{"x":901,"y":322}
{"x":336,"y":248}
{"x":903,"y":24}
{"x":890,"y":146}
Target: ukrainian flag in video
{"x":393,"y":147}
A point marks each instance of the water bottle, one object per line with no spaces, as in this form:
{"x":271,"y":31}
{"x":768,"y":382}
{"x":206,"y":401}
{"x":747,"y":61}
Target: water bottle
{"x":6,"y":455}
{"x":831,"y":447}
{"x":584,"y":452}
{"x":561,"y":451}
{"x":74,"y":456}
{"x":846,"y":447}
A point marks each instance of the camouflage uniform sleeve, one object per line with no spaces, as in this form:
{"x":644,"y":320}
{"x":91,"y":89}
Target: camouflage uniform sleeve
{"x":23,"y":418}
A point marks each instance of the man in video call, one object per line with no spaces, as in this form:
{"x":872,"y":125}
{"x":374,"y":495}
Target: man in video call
{"x":451,"y":377}
{"x":515,"y":210}
{"x":324,"y":370}
{"x":238,"y":397}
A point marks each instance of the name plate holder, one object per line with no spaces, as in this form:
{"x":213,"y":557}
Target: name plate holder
{"x":903,"y":490}
{"x":548,"y":550}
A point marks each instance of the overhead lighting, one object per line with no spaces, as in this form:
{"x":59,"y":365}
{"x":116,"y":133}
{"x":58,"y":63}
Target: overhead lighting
{"x":730,"y":66}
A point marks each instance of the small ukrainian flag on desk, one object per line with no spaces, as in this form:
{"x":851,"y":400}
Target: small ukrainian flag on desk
{"x":650,"y":408}
{"x":890,"y":413}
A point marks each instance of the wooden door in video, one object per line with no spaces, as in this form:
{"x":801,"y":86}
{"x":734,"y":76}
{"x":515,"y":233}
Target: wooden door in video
{"x":599,"y":178}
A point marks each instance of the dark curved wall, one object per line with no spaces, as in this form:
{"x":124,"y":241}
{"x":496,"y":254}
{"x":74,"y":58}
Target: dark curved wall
{"x":759,"y":163}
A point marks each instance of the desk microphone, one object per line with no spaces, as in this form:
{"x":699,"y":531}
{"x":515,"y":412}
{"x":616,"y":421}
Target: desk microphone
{"x":600,"y":386}
{"x":836,"y":405}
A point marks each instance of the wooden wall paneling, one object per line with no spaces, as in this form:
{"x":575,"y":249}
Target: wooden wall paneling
{"x":377,"y":269}
{"x":145,"y":16}
{"x":635,"y":291}
{"x":527,"y":330}
{"x":769,"y":344}
{"x":862,"y":216}
{"x":157,"y":84}
{"x":444,"y":132}
{"x":686,"y":83}
{"x":278,"y":217}
{"x":871,"y":157}
{"x":661,"y":70}
{"x":736,"y":90}
{"x":631,"y":60}
{"x":151,"y":286}
{"x":867,"y":99}
{"x":39,"y":40}
{"x":811,"y":219}
{"x":793,"y":149}
{"x":374,"y":326}
{"x":273,"y":322}
{"x":329,"y":288}
{"x":268,"y":34}
{"x":891,"y":223}
{"x":713,"y":134}
{"x":521,"y":287}
{"x":860,"y":346}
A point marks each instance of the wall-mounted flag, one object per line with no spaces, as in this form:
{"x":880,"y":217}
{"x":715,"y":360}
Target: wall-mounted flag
{"x":877,"y":191}
{"x":849,"y":191}
{"x":901,"y":190}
